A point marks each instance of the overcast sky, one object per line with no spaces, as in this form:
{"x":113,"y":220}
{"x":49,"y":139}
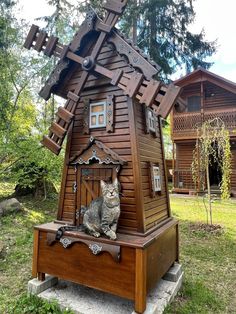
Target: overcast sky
{"x":215,"y":16}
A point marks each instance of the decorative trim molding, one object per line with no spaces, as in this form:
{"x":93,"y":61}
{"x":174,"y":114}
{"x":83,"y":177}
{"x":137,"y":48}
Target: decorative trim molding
{"x":65,"y":242}
{"x":135,"y":56}
{"x":98,"y":151}
{"x":96,"y":248}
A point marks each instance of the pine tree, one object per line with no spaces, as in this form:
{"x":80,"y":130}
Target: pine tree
{"x":161,"y":29}
{"x":163,"y":32}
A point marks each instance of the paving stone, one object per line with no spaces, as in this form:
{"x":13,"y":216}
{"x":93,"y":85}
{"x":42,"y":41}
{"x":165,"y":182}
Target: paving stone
{"x":36,"y":286}
{"x":173,"y":273}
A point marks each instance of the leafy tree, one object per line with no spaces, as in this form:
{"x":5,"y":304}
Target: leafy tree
{"x":213,"y":144}
{"x":20,"y":127}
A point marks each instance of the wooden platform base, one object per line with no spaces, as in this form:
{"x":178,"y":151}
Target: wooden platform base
{"x":128,"y":267}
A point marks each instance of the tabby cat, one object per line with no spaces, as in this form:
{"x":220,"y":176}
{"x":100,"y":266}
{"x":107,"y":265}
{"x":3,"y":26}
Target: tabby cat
{"x":102,"y":214}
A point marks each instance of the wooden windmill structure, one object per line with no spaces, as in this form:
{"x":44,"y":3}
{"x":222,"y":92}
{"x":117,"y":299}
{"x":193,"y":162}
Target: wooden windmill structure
{"x":112,"y":120}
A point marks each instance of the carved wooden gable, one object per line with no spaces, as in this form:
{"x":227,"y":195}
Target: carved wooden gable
{"x":97,"y":152}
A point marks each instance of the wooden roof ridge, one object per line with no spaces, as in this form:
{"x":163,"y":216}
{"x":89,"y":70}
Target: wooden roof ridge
{"x":108,"y":151}
{"x":211,"y":77}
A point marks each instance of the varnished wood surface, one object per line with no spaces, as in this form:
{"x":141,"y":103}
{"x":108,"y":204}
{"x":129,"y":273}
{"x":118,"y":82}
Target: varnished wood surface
{"x":142,"y":262}
{"x":140,"y":280}
{"x":161,"y":254}
{"x":133,"y":241}
{"x":35,"y":253}
{"x":156,"y":208}
{"x":78,"y":264}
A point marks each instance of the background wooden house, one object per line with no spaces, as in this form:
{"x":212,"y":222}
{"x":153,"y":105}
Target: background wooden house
{"x":204,"y":96}
{"x":112,"y":119}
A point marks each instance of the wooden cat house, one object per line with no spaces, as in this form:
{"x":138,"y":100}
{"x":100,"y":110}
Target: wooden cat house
{"x":112,"y":121}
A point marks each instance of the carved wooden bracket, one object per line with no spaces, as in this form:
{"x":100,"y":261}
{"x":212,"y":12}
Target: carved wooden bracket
{"x":95,"y":247}
{"x":135,"y":56}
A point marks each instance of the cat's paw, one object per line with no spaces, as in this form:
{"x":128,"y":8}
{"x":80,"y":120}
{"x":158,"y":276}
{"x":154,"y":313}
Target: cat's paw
{"x":96,"y":234}
{"x":111,"y":235}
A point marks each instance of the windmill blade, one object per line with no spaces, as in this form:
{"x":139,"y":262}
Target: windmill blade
{"x":41,"y":41}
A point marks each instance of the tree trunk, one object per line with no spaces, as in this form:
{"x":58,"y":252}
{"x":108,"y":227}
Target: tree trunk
{"x":209,"y":189}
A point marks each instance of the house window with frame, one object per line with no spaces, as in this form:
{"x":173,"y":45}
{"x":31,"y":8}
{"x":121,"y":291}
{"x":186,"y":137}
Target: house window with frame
{"x":151,"y":121}
{"x":156,"y":178}
{"x":194,"y":103}
{"x":97,"y":115}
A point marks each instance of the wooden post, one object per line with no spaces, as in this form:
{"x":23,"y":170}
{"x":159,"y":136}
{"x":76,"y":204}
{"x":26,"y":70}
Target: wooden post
{"x":35,"y":254}
{"x":41,"y":276}
{"x":140,"y":280}
{"x":173,"y":164}
{"x":202,"y":103}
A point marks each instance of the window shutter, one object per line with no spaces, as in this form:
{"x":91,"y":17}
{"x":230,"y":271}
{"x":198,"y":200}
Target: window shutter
{"x":86,"y":116}
{"x":156,"y":119}
{"x":152,"y":187}
{"x":155,"y":179}
{"x":147,"y":131}
{"x":110,"y":114}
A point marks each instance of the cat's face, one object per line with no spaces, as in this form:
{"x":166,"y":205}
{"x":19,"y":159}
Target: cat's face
{"x":110,"y":192}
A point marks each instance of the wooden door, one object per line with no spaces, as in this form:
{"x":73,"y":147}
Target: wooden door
{"x":88,"y":182}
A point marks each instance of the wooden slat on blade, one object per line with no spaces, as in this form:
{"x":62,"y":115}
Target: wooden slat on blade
{"x":168,"y":101}
{"x":65,"y":115}
{"x":40,"y":41}
{"x":150,"y":92}
{"x":58,"y":130}
{"x":51,"y":145}
{"x":31,"y":36}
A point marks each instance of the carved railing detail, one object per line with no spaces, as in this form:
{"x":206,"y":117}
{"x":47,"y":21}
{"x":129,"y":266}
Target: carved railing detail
{"x":183,"y":179}
{"x":185,"y":124}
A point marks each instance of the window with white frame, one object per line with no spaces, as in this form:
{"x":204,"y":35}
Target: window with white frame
{"x":97,"y":115}
{"x":156,"y":178}
{"x":151,"y":121}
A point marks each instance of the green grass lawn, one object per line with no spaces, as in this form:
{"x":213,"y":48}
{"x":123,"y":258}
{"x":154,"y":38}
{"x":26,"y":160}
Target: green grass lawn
{"x":209,"y":259}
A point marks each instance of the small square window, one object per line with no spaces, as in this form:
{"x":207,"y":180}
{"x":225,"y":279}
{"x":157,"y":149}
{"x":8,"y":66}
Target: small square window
{"x":193,"y":103}
{"x":97,"y":115}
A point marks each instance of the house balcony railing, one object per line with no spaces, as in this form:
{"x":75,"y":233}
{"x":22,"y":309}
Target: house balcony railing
{"x":184,"y":125}
{"x":182,"y":180}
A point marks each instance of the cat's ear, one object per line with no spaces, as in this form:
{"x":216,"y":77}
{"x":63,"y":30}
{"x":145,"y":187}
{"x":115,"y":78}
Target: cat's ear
{"x":103,"y":184}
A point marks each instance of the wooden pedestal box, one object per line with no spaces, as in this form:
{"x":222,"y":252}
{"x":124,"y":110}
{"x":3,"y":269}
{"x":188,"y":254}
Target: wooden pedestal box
{"x":128,"y":267}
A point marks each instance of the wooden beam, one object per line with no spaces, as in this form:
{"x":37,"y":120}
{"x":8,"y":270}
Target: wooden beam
{"x":150,"y":92}
{"x":51,"y":145}
{"x":168,"y":101}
